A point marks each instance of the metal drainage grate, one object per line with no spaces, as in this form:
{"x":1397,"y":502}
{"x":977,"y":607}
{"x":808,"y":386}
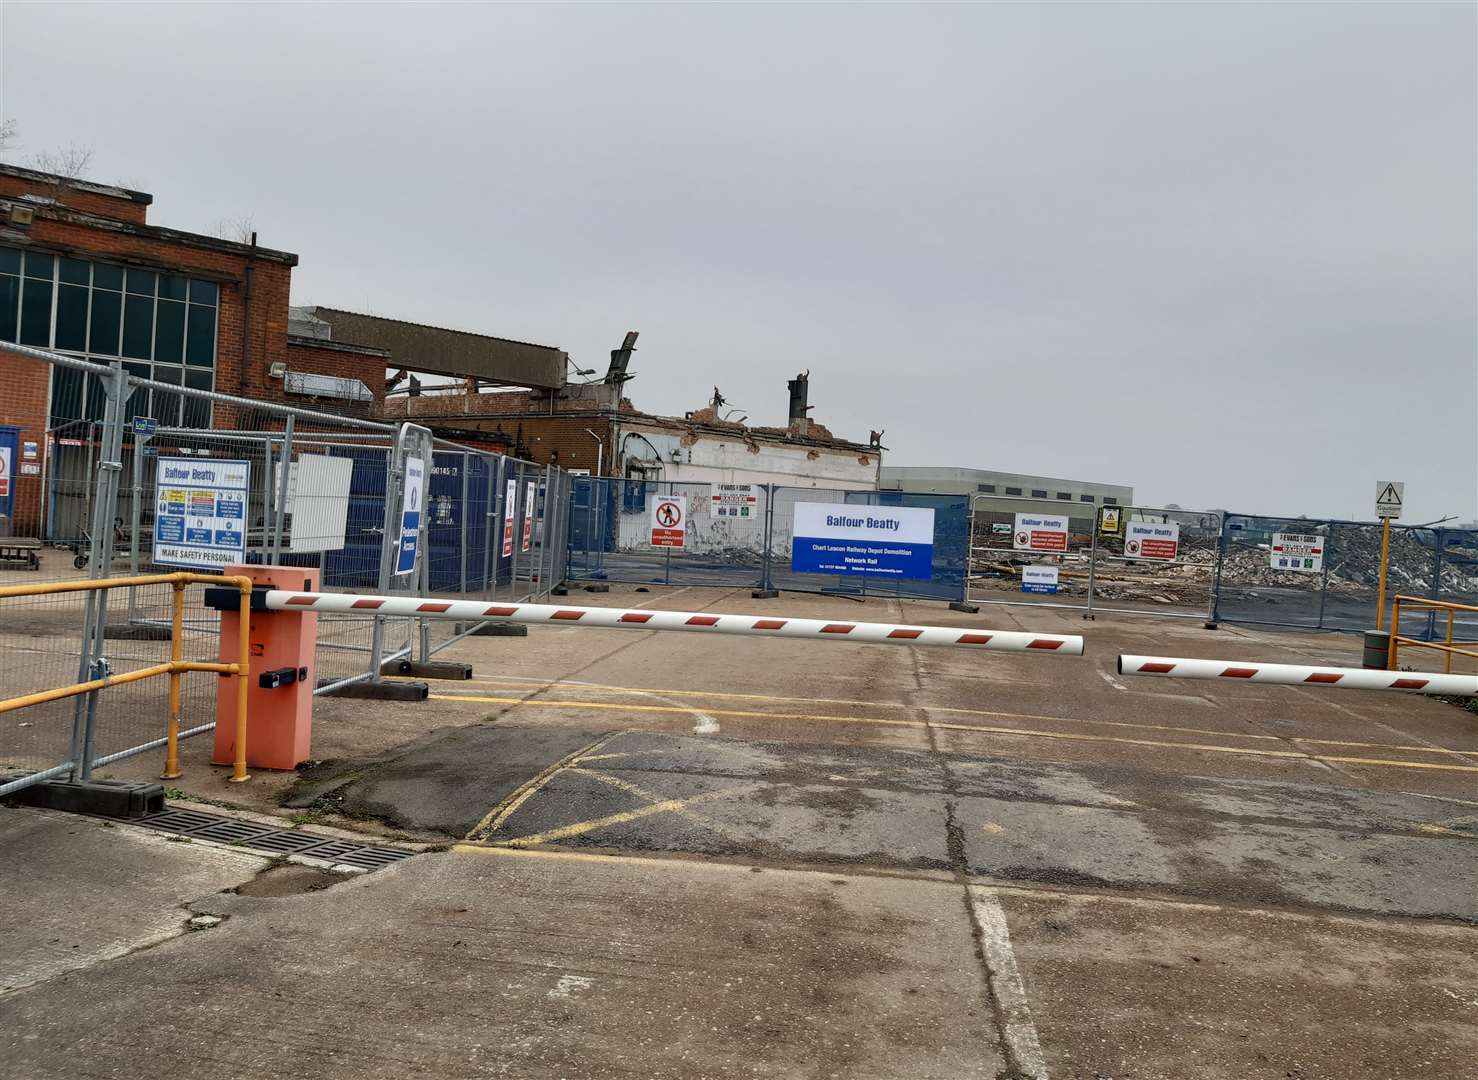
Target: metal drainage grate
{"x":250,"y":834}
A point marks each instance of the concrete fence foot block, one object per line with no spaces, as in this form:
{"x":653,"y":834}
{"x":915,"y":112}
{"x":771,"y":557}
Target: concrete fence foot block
{"x":493,"y":629}
{"x":382,"y":691}
{"x":598,"y":588}
{"x":135,"y":632}
{"x":560,"y":590}
{"x":968,"y":609}
{"x":111,"y":798}
{"x":1211,"y":625}
{"x":427,"y":669}
{"x":764,"y":594}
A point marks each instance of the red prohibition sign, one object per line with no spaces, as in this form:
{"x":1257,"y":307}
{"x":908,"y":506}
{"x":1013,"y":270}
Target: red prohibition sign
{"x":668,"y":514}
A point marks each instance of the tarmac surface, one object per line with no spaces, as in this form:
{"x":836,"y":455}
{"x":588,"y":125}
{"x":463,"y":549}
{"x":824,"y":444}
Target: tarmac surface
{"x":678,"y":855}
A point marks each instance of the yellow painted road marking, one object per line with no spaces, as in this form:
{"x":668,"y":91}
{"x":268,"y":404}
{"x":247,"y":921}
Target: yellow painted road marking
{"x":642,"y":793}
{"x":579,"y":828}
{"x":514,"y":684}
{"x":1027,"y":732}
{"x":504,"y":810}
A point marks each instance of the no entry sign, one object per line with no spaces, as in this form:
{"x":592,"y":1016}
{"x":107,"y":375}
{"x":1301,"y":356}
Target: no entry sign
{"x":669,"y":522}
{"x":1152,"y":540}
{"x":530,"y":493}
{"x":1039,"y":532}
{"x":510,"y":511}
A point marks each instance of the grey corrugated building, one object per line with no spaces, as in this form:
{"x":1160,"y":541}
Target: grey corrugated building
{"x":1047,"y":494}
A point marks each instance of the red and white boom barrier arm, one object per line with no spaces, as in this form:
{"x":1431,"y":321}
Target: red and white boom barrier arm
{"x":692,"y":621}
{"x":1425,"y":682}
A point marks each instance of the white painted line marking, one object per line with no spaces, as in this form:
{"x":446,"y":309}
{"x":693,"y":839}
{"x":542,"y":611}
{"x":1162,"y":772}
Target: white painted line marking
{"x":706,"y":724}
{"x":1115,"y":683}
{"x":1005,"y":983}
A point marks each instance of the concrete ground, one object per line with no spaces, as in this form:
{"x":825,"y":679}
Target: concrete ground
{"x":678,"y":855}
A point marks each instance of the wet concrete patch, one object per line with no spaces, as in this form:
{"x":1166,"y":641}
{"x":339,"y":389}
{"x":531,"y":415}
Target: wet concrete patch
{"x":290,"y":879}
{"x":446,"y":783}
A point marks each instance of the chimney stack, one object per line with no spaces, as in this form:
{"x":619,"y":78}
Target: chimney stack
{"x":799,"y":391}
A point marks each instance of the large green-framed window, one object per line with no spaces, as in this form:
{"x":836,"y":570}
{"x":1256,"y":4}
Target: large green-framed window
{"x":162,"y":326}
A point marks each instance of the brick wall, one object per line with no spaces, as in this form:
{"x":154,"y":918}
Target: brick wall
{"x":265,"y":339}
{"x":544,"y":439}
{"x":563,"y":440}
{"x":24,"y":383}
{"x":117,"y":207}
{"x":322,"y":358}
{"x":23,"y":404}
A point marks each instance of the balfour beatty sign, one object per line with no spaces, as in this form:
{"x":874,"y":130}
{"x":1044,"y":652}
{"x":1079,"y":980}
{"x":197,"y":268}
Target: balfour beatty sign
{"x":844,"y":538}
{"x":200,"y":512}
{"x":1152,"y":540}
{"x":1040,"y":532}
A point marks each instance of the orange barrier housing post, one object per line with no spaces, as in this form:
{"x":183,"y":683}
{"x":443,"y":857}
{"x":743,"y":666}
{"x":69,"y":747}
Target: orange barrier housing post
{"x":280,"y":717}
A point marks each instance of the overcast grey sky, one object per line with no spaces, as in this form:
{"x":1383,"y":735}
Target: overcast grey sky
{"x":1223,"y":253}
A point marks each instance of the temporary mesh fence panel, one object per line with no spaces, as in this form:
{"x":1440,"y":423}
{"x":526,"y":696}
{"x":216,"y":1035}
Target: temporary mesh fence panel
{"x":740,"y":536}
{"x":134,"y":715}
{"x":999,"y":573}
{"x":317,"y":493}
{"x":946,"y":567}
{"x":43,"y":643}
{"x":1339,"y":591}
{"x":43,"y":651}
{"x":1159,"y":561}
{"x":611,"y":534}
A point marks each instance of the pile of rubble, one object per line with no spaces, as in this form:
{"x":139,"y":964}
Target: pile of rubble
{"x":1354,"y":566}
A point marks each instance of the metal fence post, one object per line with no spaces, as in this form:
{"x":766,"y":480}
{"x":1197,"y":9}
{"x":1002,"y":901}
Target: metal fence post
{"x":1211,"y":604}
{"x":95,"y":617}
{"x":135,"y":515}
{"x":489,"y":560}
{"x":502,"y":491}
{"x":1221,"y":555}
{"x":512,"y":508}
{"x":1092,"y":570}
{"x":92,"y":435}
{"x":269,"y":497}
{"x":551,"y":526}
{"x":1324,"y":573}
{"x":767,"y":584}
{"x":281,"y":499}
{"x":394,"y":478}
{"x":462,"y":519}
{"x":421,"y":575}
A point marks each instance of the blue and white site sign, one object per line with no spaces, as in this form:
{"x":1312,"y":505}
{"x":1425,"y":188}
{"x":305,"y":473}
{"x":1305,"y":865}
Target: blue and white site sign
{"x":1039,"y":579}
{"x":853,"y":538}
{"x":410,"y":516}
{"x":200,"y":512}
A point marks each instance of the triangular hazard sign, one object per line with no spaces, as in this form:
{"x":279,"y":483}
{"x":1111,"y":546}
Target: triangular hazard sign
{"x":1389,"y":495}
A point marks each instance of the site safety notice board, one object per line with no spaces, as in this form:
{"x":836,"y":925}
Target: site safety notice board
{"x":200,"y":512}
{"x":848,"y":538}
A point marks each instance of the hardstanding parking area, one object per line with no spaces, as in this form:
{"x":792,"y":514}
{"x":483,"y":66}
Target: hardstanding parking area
{"x":683,"y":855}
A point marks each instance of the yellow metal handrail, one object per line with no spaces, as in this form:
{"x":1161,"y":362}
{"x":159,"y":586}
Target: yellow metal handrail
{"x":1449,"y":647}
{"x":176,"y":666}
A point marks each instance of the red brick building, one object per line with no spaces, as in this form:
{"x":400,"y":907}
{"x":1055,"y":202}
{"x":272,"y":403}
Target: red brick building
{"x":82,"y":272}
